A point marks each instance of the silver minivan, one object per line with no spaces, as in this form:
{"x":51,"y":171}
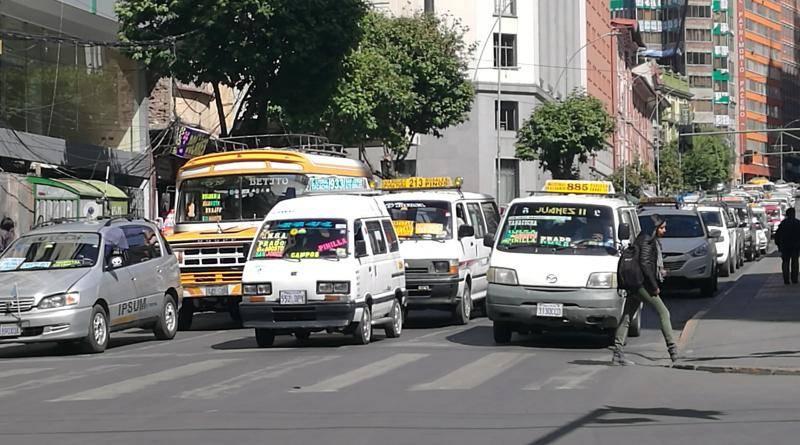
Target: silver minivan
{"x":76,"y":282}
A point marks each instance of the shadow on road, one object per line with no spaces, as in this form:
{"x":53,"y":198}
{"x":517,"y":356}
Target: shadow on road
{"x":483,"y":336}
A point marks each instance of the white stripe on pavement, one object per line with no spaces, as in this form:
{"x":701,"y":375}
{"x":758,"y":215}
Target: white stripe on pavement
{"x":233,"y":384}
{"x":139,"y":383}
{"x":475,"y":373}
{"x":13,"y":372}
{"x":573,"y":378}
{"x":366,"y":372}
{"x":58,"y":378}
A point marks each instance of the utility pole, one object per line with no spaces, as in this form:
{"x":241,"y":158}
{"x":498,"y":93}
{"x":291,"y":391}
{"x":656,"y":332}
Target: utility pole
{"x":499,"y":93}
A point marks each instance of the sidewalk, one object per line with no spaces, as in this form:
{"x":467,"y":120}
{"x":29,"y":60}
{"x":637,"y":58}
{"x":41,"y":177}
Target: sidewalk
{"x":754,"y":328}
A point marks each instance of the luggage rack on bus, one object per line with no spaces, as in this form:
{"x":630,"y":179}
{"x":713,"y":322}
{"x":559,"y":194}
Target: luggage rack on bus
{"x":307,"y":143}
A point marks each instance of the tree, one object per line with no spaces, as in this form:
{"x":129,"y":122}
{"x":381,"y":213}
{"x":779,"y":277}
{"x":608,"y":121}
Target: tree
{"x":708,"y":163}
{"x":407,"y":77}
{"x":636,"y":176}
{"x":671,"y":173}
{"x":285,"y":53}
{"x":559,"y":132}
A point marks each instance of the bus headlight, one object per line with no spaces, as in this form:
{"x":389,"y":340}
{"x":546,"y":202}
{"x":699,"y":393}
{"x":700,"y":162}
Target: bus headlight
{"x":602,"y":280}
{"x":500,"y":275}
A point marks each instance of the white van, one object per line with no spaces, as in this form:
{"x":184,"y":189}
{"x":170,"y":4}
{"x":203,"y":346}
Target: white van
{"x":554,"y":264}
{"x":324,"y":263}
{"x":441,"y":231}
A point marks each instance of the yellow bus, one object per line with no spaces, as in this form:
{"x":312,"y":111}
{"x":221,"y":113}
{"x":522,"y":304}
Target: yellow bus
{"x":221,"y":199}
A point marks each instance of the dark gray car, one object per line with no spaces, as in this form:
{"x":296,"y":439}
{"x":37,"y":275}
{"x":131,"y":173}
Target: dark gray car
{"x":77,"y":282}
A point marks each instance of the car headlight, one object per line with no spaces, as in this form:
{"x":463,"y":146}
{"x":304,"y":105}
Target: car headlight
{"x":602,"y":280}
{"x":700,"y":251}
{"x":257,"y":289}
{"x":60,"y":300}
{"x":500,"y":275}
{"x":446,"y":266}
{"x":333,"y":287}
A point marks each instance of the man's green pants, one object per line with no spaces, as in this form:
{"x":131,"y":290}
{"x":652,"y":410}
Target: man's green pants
{"x":632,"y":304}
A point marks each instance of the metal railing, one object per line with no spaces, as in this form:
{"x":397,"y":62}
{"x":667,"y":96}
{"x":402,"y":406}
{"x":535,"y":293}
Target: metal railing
{"x":307,"y":143}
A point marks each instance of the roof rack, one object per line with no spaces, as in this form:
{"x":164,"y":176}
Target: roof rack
{"x":306,"y":143}
{"x":660,"y":201}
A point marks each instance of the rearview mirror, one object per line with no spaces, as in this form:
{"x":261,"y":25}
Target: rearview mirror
{"x":488,"y":240}
{"x":714,"y":233}
{"x":466,"y":231}
{"x":743,"y":225}
{"x":624,"y":232}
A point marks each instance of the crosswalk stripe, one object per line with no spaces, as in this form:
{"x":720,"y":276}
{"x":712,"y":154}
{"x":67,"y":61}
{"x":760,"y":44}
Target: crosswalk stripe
{"x":233,"y":384}
{"x":573,"y":378}
{"x":365,"y":372}
{"x":475,"y":373}
{"x":139,"y":383}
{"x":13,"y":372}
{"x":58,"y":378}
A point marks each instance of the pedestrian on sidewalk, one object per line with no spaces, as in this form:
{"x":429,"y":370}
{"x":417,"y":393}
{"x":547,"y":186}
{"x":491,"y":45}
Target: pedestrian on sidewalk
{"x":652,"y":265}
{"x":7,"y":234}
{"x":787,"y":238}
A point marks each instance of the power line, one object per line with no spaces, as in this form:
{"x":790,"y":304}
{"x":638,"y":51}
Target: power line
{"x":156,"y":43}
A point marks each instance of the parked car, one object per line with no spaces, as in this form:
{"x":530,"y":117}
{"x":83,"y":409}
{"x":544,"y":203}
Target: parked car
{"x":714,"y":218}
{"x":80,"y":281}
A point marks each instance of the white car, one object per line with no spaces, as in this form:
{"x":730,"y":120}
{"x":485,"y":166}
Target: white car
{"x":714,"y":218}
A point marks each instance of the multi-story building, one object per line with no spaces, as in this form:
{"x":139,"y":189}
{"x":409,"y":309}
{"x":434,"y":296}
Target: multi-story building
{"x":661,"y":23}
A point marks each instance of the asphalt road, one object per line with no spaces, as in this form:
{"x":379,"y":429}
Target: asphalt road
{"x":437,"y":383}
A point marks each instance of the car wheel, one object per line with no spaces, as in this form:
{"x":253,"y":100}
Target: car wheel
{"x":167,"y":324}
{"x":479,"y":307}
{"x":463,"y":310}
{"x":635,"y":328}
{"x":302,"y":335}
{"x":97,"y":338}
{"x":502,"y":333}
{"x":725,"y":269}
{"x":395,"y":328}
{"x":264,"y":338}
{"x":733,"y":265}
{"x":363,"y":332}
{"x":185,"y":315}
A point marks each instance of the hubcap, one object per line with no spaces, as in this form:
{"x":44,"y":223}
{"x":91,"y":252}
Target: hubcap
{"x":366,"y":324}
{"x":466,"y":302}
{"x":99,"y":328}
{"x":398,"y":318}
{"x":170,"y":320}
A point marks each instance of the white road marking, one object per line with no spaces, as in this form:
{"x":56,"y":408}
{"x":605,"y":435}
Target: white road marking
{"x":13,"y":372}
{"x":139,"y":383}
{"x":58,"y":378}
{"x":572,"y":378}
{"x":478,"y":372}
{"x":365,"y":372}
{"x":234,"y":384}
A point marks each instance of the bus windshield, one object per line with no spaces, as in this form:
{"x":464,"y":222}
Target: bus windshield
{"x":302,"y":239}
{"x":236,"y":197}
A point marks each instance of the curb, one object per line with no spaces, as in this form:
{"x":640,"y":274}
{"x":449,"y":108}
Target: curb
{"x":747,"y":370}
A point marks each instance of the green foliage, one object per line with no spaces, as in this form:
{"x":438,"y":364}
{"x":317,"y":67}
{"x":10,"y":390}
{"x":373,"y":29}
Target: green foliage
{"x":559,"y":132}
{"x":407,"y":77}
{"x":287,"y":53}
{"x":671,"y":174}
{"x":708,"y":163}
{"x":639,"y":177}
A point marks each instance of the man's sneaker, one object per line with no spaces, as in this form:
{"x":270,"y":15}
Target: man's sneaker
{"x":618,"y":359}
{"x":673,"y":352}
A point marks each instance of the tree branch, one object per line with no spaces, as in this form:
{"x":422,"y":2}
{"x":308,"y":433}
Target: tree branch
{"x":223,"y":126}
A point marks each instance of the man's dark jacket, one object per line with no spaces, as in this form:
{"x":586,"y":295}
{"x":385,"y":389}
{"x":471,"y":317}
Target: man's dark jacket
{"x":648,"y":260}
{"x":787,"y":237}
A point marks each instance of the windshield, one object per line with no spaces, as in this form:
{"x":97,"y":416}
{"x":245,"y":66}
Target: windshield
{"x":235,"y":197}
{"x":301,"y":239}
{"x":549,"y":227}
{"x":51,"y":251}
{"x":711,"y":218}
{"x":678,"y":226}
{"x":421,"y":219}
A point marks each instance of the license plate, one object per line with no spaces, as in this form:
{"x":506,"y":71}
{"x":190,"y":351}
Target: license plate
{"x":293,"y":297}
{"x":216,"y":291}
{"x":10,"y":330}
{"x":549,"y":310}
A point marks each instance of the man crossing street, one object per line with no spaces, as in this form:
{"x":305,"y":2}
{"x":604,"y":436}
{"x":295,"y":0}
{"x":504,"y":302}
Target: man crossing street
{"x":787,"y":238}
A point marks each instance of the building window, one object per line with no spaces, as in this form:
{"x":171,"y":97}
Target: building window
{"x":702,"y":105}
{"x":509,"y":115}
{"x":429,"y":6}
{"x":698,"y":58}
{"x":700,"y":81}
{"x":509,"y":180}
{"x":720,"y":86}
{"x":505,"y":7}
{"x":698,"y":35}
{"x":507,"y":49}
{"x":696,"y":11}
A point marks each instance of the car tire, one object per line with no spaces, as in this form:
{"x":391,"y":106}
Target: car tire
{"x":395,"y":328}
{"x":264,"y":338}
{"x":96,"y":339}
{"x":233,"y":310}
{"x":502,"y":333}
{"x":167,"y":325}
{"x":479,"y":308}
{"x":733,"y":264}
{"x":363,"y":332}
{"x":635,"y":328}
{"x":185,"y":315}
{"x":725,"y":269}
{"x":462,"y":312}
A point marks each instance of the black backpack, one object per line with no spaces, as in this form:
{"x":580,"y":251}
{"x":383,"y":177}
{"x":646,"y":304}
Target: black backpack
{"x":629,"y":269}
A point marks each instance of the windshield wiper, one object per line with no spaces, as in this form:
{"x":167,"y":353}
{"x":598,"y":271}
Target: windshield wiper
{"x":515,"y":246}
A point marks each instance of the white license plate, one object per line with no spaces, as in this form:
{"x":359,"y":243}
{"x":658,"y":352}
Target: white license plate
{"x":10,"y":330}
{"x":549,"y":310}
{"x":293,"y":297}
{"x":216,"y":291}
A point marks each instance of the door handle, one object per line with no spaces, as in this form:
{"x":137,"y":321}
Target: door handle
{"x":133,"y":278}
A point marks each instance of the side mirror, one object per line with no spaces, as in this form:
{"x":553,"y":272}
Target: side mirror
{"x":624,"y":232}
{"x":361,"y":248}
{"x":488,"y":240}
{"x":714,"y":233}
{"x":466,"y":231}
{"x":743,"y":225}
